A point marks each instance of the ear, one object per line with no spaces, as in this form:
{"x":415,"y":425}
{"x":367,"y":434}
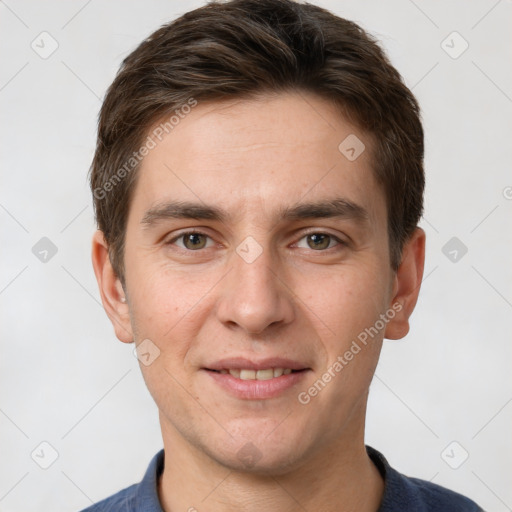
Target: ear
{"x":111,"y":290}
{"x":407,"y":284}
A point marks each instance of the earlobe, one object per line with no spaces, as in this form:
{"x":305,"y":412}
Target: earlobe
{"x":407,"y":285}
{"x":111,"y":290}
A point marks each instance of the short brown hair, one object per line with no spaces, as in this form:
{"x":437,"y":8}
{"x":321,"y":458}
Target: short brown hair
{"x":241,"y":48}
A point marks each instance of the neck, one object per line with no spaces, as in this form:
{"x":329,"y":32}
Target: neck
{"x":340,"y":477}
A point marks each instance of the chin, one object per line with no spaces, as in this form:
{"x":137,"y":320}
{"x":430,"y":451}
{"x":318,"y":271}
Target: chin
{"x":266,"y":462}
{"x":261,"y":453}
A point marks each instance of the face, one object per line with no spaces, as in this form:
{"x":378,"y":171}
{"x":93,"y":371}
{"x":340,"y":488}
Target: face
{"x":256,"y":258}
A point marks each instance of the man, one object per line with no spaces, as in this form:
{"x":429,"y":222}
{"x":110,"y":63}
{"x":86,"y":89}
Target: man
{"x":258,"y":181}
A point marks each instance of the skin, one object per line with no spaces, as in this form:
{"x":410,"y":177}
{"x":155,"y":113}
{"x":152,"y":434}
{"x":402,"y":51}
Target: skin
{"x":251,"y":158}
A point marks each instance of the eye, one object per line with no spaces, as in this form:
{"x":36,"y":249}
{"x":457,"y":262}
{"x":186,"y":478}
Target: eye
{"x":191,"y":240}
{"x":320,"y":241}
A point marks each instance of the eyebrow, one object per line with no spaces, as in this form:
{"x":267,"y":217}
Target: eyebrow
{"x":331,"y":208}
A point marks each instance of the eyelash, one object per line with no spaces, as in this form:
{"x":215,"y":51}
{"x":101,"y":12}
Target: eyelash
{"x":340,"y":243}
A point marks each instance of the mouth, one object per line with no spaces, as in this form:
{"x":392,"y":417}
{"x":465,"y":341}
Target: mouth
{"x":249,"y":374}
{"x":256,"y":380}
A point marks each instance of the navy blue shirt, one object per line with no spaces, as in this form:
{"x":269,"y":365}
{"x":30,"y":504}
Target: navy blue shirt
{"x":401,"y":493}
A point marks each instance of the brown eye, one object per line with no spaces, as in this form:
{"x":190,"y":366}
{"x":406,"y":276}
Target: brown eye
{"x":191,"y":241}
{"x":318,"y":241}
{"x":194,"y":241}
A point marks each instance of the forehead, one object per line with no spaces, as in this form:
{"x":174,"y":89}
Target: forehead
{"x":258,"y":156}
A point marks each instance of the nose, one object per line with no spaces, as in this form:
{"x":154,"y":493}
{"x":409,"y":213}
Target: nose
{"x":254,"y":294}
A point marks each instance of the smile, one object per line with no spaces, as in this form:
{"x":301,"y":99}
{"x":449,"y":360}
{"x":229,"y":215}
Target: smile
{"x":262,"y":384}
{"x":265,"y":374}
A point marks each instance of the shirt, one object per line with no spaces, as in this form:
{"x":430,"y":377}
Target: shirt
{"x":401,"y":493}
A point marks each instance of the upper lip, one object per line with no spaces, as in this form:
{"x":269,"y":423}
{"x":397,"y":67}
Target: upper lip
{"x":231,"y":363}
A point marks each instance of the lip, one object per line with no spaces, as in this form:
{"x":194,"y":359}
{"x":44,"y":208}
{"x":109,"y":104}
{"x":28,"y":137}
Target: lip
{"x":256,"y":389}
{"x":248,"y":364}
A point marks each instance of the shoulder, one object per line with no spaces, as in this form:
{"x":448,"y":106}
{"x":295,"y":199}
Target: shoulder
{"x":141,"y":497}
{"x":406,"y":493}
{"x":123,"y":500}
{"x":433,"y":497}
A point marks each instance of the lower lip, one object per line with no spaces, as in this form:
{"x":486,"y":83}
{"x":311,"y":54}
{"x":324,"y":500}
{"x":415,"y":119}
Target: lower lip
{"x":256,"y":389}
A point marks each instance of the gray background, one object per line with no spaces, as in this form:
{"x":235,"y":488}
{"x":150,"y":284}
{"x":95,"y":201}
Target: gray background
{"x":66,"y":380}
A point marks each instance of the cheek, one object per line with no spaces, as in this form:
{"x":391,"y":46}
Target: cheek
{"x":346,"y":302}
{"x":350,"y":306}
{"x":160,"y":309}
{"x":162,"y":296}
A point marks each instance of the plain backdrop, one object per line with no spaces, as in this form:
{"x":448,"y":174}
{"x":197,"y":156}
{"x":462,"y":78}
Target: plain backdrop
{"x":440,"y":404}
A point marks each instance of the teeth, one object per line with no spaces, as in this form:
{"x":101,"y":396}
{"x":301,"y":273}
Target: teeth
{"x":267,"y":374}
{"x":278,"y":372}
{"x":247,"y":374}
